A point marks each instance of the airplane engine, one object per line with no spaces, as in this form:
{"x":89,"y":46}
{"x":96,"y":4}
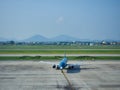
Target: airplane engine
{"x":70,"y":67}
{"x":58,"y":67}
{"x":54,"y":66}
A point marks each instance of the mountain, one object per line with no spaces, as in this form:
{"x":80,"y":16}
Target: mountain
{"x":64,"y":38}
{"x":36,"y":38}
{"x":39,"y":38}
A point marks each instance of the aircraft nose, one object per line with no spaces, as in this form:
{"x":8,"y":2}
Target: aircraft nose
{"x":61,"y":68}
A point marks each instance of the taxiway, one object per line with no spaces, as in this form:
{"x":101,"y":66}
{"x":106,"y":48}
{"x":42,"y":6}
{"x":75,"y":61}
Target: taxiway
{"x":39,"y":75}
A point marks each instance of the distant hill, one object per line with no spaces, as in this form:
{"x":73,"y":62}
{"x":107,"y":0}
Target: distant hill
{"x":36,"y":38}
{"x":40,"y":38}
{"x":64,"y":38}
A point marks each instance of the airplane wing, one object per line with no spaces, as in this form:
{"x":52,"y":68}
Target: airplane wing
{"x":78,"y":64}
{"x":73,"y":66}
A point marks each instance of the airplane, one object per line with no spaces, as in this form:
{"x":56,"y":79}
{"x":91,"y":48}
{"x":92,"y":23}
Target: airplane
{"x":63,"y":64}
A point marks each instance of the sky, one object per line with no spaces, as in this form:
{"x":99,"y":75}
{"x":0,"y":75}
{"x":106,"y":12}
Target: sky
{"x":84,"y":19}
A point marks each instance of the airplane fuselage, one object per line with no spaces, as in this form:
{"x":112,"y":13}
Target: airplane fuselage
{"x":63,"y":63}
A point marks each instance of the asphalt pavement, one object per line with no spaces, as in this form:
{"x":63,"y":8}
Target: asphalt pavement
{"x":39,"y":75}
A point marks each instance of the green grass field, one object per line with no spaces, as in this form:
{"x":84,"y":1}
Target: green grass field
{"x":34,"y":58}
{"x":58,"y":49}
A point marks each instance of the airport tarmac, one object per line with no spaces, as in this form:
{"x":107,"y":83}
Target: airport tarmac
{"x":39,"y":75}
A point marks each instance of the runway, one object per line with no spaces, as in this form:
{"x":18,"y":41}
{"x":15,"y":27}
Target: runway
{"x":39,"y":75}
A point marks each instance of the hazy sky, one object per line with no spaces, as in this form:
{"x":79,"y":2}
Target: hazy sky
{"x":85,"y":19}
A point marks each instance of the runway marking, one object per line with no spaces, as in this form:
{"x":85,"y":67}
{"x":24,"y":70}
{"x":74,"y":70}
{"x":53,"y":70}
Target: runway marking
{"x":67,"y":80}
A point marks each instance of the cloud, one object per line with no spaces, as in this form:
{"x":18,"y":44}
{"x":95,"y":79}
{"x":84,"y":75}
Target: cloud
{"x":60,"y":20}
